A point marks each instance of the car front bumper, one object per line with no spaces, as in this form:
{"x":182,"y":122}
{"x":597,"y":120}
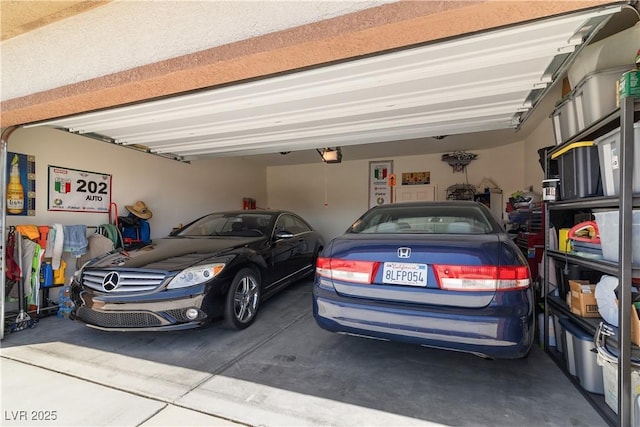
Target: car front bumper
{"x":493,"y":332}
{"x":139,"y":313}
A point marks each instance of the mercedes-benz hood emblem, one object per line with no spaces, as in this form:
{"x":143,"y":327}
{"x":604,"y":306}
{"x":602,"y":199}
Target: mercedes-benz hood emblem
{"x":110,"y":281}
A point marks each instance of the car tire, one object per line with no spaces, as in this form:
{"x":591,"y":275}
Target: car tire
{"x":242,"y":300}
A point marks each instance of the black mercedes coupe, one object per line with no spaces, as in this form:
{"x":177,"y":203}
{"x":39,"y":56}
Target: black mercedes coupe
{"x":222,"y":265}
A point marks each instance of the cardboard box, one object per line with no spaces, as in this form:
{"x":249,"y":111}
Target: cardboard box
{"x":583,"y":298}
{"x":635,"y":326}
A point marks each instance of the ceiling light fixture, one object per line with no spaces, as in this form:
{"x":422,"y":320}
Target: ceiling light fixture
{"x":331,"y":155}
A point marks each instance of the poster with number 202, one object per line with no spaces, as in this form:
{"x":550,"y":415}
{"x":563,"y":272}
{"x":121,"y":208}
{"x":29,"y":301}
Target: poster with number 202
{"x":78,"y":190}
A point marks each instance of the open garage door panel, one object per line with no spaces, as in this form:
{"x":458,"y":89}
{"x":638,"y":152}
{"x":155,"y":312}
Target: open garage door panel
{"x":486,"y":81}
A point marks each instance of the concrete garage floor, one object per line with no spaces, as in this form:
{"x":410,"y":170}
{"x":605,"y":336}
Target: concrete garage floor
{"x":282,"y":371}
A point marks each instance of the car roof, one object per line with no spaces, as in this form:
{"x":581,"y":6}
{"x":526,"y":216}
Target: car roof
{"x":434,"y":203}
{"x":252,"y":212}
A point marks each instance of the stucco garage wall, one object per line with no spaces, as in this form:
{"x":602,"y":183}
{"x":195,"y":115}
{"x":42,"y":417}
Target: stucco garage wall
{"x":175,"y":192}
{"x":304,"y":188}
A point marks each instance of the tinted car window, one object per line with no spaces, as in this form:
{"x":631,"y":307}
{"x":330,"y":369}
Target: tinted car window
{"x":418,"y":220}
{"x":292,"y":224}
{"x":227,"y":224}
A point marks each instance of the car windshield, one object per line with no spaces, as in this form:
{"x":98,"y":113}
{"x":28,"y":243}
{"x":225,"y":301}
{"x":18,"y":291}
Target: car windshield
{"x":437,"y":219}
{"x":229,"y":224}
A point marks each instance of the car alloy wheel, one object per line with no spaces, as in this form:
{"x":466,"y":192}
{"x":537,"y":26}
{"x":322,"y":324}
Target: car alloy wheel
{"x":243,"y":300}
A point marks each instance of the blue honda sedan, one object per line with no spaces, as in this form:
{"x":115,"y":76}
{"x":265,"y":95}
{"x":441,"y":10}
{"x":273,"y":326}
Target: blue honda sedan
{"x":439,"y":274}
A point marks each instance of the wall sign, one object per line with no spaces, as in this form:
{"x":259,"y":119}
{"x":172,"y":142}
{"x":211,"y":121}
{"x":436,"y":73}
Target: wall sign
{"x":21,"y":184}
{"x":380,"y":192}
{"x":78,"y":191}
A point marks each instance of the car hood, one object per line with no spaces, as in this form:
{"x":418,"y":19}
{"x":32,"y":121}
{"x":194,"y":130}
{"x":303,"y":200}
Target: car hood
{"x":173,"y":253}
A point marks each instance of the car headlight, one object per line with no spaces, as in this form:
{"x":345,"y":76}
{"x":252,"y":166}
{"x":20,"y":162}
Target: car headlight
{"x":195,"y":275}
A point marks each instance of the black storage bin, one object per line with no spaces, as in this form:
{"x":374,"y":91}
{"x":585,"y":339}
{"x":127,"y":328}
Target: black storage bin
{"x":579,"y":170}
{"x":553,"y":164}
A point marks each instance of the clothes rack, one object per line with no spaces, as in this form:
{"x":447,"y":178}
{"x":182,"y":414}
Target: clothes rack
{"x":22,"y":319}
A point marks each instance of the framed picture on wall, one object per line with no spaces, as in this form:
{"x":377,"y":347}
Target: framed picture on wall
{"x":380,"y":192}
{"x":21,"y":184}
{"x":75,"y":190}
{"x":416,"y":178}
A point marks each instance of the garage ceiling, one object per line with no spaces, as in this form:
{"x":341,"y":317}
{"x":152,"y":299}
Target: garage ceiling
{"x":482,"y":82}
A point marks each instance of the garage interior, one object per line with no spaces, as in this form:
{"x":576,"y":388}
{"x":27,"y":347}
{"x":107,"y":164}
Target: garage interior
{"x":195,"y":108}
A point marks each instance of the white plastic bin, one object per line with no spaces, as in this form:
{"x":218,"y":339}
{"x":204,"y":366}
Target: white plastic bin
{"x":609,"y":363}
{"x":551,"y":328}
{"x":565,"y":121}
{"x":587,"y":369}
{"x":608,"y":227}
{"x":609,"y":155}
{"x":567,"y":345}
{"x":595,"y":95}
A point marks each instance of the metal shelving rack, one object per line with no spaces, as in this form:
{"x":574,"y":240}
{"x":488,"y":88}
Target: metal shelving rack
{"x":625,"y":116}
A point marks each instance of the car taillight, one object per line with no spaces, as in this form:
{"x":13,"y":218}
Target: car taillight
{"x":481,"y":277}
{"x":347,"y":270}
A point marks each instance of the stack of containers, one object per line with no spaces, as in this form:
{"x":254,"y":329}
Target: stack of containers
{"x":593,"y":98}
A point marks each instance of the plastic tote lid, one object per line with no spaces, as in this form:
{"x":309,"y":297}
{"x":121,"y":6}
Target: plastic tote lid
{"x":571,"y":147}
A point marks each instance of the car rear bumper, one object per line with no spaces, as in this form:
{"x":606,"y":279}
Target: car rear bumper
{"x":492,"y":331}
{"x":135,"y":314}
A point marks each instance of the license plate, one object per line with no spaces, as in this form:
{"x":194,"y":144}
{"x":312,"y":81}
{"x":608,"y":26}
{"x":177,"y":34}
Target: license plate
{"x":402,"y":273}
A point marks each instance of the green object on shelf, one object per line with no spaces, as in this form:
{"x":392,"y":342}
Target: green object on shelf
{"x":629,"y":84}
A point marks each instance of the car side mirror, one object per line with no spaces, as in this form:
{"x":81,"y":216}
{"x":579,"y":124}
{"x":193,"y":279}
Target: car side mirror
{"x":283,"y":234}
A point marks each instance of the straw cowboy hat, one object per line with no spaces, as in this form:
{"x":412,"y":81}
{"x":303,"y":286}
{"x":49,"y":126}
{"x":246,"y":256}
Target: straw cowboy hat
{"x":140,"y":210}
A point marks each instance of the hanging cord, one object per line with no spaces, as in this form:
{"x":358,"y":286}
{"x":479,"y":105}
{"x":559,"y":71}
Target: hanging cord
{"x":326,"y":185}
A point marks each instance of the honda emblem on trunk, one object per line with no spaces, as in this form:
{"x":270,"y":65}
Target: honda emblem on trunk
{"x":404,"y":252}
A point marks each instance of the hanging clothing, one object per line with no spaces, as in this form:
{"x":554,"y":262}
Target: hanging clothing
{"x":75,"y":240}
{"x":42,"y":240}
{"x":29,"y":231}
{"x":12,"y":267}
{"x":33,"y":298}
{"x":29,"y":248}
{"x":113,"y":233}
{"x":55,"y":243}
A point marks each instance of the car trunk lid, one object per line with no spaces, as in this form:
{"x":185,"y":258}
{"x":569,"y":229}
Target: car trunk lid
{"x":427,"y":269}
